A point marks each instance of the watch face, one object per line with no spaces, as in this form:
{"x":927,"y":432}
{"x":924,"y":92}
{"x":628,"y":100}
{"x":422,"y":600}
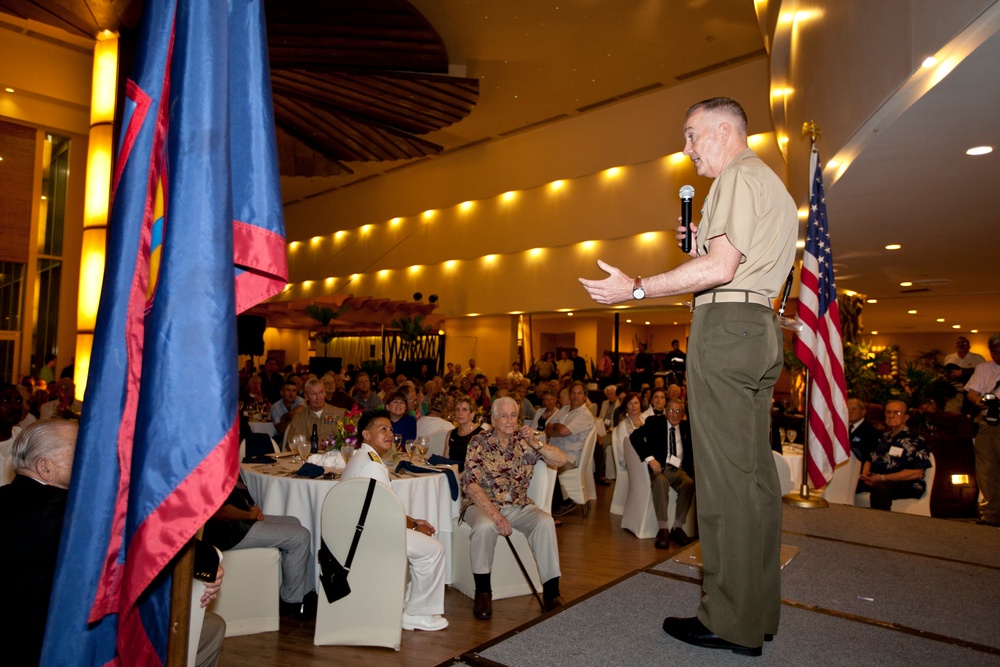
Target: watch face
{"x":638,"y":293}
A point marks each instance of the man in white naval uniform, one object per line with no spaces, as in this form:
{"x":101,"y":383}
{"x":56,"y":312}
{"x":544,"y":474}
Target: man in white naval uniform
{"x":425,"y":603}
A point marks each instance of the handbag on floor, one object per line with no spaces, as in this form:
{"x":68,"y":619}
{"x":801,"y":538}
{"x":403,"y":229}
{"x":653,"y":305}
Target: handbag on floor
{"x":333,"y":575}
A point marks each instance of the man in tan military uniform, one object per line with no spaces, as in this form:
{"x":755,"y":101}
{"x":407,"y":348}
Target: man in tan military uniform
{"x":318,"y":412}
{"x":743,"y":250}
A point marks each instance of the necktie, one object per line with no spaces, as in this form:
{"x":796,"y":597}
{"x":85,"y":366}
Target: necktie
{"x":672,"y":451}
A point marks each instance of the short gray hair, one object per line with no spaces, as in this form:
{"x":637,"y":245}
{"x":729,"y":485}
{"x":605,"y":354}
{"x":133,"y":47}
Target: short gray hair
{"x":995,"y":340}
{"x":42,"y":439}
{"x":503,"y":399}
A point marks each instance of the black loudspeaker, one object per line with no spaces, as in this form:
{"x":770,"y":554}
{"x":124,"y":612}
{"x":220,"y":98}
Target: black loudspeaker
{"x":250,"y":334}
{"x":320,"y":365}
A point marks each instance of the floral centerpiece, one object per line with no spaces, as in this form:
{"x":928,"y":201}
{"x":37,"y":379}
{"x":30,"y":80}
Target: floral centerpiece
{"x":345,"y":431}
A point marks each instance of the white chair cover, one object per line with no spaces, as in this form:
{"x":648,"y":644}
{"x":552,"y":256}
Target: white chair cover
{"x":437,"y":440}
{"x":250,"y":594}
{"x":920,"y":506}
{"x":578,"y":483}
{"x":197,"y":620}
{"x":841,"y":487}
{"x":506,"y":579}
{"x":784,"y":472}
{"x":372,"y":615}
{"x":617,"y":453}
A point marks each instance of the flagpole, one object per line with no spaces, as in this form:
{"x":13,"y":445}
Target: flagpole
{"x":803,"y":499}
{"x":180,"y":607}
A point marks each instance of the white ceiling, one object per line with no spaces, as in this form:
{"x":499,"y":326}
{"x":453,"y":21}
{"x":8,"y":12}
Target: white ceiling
{"x":538,"y":61}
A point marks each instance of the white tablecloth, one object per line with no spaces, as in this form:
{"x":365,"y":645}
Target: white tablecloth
{"x":794,"y":457}
{"x":423,"y":497}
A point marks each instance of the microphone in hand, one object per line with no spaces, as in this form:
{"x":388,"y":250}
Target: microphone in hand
{"x":686,"y":194}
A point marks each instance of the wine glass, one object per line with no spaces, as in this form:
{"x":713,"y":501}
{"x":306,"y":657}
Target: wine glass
{"x":409,"y":448}
{"x":294,"y":446}
{"x":791,"y":435}
{"x":422,"y":444}
{"x":397,"y":440}
{"x":347,"y":451}
{"x":303,"y":447}
{"x":781,"y":432}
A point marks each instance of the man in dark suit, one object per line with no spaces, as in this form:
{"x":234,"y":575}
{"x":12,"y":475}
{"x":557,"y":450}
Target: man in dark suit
{"x":864,"y":436}
{"x":663,"y":443}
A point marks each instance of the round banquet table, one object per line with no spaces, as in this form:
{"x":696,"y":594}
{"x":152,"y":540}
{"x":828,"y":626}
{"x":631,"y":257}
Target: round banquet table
{"x":794,"y":457}
{"x":425,"y":497}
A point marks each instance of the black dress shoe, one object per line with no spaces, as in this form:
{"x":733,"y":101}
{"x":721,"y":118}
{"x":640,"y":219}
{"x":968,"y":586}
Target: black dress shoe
{"x":693,"y":631}
{"x":482,"y":606}
{"x":680,"y":537}
{"x":307,"y":610}
{"x":662,"y":539}
{"x":554,"y":603}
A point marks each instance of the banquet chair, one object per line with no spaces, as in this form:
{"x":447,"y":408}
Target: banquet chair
{"x":578,"y":483}
{"x":196,"y":621}
{"x":617,"y":452}
{"x":639,"y":517}
{"x":506,"y":579}
{"x":841,"y":487}
{"x":920,"y":506}
{"x":250,"y":595}
{"x":259,"y":437}
{"x":437,"y":440}
{"x":372,"y":614}
{"x":784,"y":473}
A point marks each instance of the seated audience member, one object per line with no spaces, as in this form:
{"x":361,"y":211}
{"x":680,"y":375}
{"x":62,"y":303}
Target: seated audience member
{"x":32,"y":508}
{"x":403,"y":424}
{"x":864,"y":436}
{"x":435,"y":422}
{"x":457,"y":443}
{"x":567,"y":431}
{"x":11,"y":412}
{"x":657,"y":404}
{"x":498,"y":469}
{"x":606,"y":415}
{"x":271,"y":381}
{"x":425,"y":602}
{"x":480,"y":398}
{"x":239,"y":524}
{"x":515,"y":371}
{"x":252,"y":393}
{"x":363,"y":394}
{"x":663,"y":443}
{"x":337,"y":397}
{"x":289,"y":405}
{"x":318,"y":413}
{"x":386,"y":387}
{"x":896,"y":467}
{"x":546,"y":411}
{"x":630,"y":422}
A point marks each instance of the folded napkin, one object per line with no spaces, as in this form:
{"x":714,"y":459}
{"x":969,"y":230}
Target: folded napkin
{"x":331,"y":459}
{"x":450,"y":474}
{"x":436,"y":460}
{"x":258,"y":458}
{"x":310,"y":470}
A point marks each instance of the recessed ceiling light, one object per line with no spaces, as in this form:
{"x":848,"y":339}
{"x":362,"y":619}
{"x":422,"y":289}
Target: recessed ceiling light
{"x":893,"y":246}
{"x":647,"y":323}
{"x":929,"y":61}
{"x":570,"y":314}
{"x":874,"y":333}
{"x":628,"y":321}
{"x":9,"y":90}
{"x":956,"y":326}
{"x":973,"y":330}
{"x":872,"y":301}
{"x":979,"y":150}
{"x":912,"y":312}
{"x":940,"y":319}
{"x":906,"y":283}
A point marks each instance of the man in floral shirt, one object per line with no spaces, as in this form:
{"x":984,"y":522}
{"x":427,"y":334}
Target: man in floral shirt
{"x":498,"y":469}
{"x":897,"y":465}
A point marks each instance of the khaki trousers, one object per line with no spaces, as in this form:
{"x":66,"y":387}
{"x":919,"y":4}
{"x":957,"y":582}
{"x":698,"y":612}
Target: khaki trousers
{"x":536,"y":525}
{"x":734,"y":358}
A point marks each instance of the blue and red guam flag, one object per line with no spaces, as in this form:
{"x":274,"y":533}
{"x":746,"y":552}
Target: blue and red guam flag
{"x":819,"y":344}
{"x":196,"y":236}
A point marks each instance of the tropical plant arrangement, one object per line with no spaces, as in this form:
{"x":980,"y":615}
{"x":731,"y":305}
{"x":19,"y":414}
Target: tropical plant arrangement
{"x":324,"y":316}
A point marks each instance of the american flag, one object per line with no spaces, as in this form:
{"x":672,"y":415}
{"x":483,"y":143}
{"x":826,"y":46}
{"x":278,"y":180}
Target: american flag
{"x":819,"y":344}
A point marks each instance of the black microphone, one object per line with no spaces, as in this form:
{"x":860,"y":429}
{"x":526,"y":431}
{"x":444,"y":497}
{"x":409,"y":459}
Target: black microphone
{"x":687,"y":194}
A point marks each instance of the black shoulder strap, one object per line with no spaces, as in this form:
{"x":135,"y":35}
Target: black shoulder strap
{"x":361,"y":524}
